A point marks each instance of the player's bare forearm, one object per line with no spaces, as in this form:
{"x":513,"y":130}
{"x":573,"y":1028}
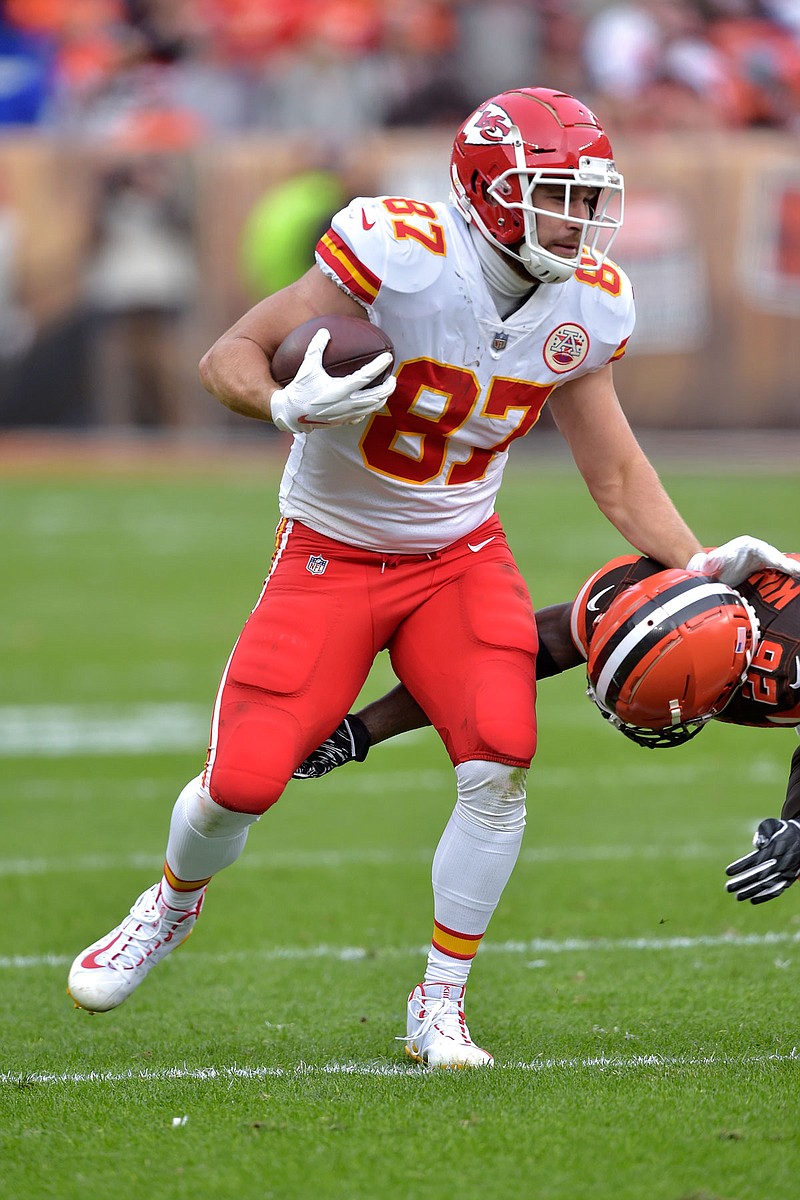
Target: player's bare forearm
{"x":619,"y":476}
{"x":557,"y":651}
{"x":394,"y":713}
{"x":235,"y":370}
{"x":636,"y":503}
{"x":791,"y":805}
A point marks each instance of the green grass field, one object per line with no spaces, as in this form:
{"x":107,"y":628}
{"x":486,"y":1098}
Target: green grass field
{"x":644,"y":1024}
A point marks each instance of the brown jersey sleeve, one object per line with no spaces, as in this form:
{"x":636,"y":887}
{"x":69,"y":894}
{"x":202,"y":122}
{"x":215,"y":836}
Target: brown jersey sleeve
{"x":770,"y":694}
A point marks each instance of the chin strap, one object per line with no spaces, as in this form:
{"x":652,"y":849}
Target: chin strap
{"x":545,"y":270}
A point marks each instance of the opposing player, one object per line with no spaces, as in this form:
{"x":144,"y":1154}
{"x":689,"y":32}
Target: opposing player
{"x":667,"y":652}
{"x":496,"y":303}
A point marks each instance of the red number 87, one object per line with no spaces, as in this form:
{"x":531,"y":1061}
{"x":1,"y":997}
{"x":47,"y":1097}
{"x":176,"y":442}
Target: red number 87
{"x":422,"y":456}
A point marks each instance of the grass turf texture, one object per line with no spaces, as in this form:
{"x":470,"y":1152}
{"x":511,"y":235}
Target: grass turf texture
{"x":643,"y":1022}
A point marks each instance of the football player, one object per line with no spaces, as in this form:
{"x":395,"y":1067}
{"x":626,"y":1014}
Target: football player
{"x":496,"y":303}
{"x":667,"y":651}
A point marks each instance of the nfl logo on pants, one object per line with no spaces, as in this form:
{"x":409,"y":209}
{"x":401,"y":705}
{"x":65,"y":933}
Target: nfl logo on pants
{"x":316,"y":564}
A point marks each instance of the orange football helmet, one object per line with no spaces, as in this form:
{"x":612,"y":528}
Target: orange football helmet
{"x":522,"y":138}
{"x":668,"y":654}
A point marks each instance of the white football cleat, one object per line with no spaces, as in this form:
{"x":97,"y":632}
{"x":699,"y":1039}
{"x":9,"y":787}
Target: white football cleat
{"x":110,"y":969}
{"x":437,"y":1033}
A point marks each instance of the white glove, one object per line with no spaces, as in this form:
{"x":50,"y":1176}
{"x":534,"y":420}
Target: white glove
{"x":733,"y":562}
{"x":314,"y":399}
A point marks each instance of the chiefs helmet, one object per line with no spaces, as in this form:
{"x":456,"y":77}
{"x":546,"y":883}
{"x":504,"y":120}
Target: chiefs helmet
{"x":518,"y":140}
{"x":668,"y":654}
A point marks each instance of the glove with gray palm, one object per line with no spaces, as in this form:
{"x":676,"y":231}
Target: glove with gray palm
{"x":771,"y":867}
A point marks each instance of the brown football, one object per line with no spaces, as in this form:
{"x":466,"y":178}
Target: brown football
{"x":353,"y":343}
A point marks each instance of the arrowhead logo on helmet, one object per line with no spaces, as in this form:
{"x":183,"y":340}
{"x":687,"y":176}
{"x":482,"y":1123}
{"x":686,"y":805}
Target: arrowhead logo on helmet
{"x":668,"y":654}
{"x":489,"y":124}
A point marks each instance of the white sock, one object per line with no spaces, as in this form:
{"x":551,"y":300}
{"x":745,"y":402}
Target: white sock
{"x":203,"y":838}
{"x":473,"y":863}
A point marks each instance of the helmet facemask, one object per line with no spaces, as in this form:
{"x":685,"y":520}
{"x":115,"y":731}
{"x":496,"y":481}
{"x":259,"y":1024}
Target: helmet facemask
{"x":513,"y":191}
{"x":501,"y":206}
{"x":652,"y":739}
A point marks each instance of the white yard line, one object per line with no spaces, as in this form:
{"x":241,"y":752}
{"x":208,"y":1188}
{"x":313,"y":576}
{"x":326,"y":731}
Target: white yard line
{"x":63,"y":730}
{"x":104,"y":730}
{"x":535,"y":946}
{"x":315,"y":860}
{"x":67,"y":730}
{"x":615,"y":1063}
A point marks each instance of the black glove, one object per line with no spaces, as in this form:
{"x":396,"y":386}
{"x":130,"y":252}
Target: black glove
{"x":349,"y":741}
{"x":772,"y":867}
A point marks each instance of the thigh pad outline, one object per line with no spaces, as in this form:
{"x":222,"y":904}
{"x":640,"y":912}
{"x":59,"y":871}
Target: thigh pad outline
{"x":283,"y":641}
{"x":509,"y":623}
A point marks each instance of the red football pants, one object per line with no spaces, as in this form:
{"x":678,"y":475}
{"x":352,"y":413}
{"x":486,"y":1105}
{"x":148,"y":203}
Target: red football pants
{"x":459,"y":627}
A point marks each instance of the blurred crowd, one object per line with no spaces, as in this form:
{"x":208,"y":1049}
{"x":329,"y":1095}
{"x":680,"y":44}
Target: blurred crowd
{"x":172,"y":72}
{"x":194,"y":140}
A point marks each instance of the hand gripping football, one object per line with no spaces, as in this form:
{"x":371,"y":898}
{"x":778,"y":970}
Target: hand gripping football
{"x":354,"y":342}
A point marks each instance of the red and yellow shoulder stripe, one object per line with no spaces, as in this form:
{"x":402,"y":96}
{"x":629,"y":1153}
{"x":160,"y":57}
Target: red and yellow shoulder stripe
{"x":348,"y":268}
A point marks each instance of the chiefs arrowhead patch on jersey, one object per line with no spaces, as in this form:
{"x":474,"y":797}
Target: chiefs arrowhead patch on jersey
{"x":566,"y":348}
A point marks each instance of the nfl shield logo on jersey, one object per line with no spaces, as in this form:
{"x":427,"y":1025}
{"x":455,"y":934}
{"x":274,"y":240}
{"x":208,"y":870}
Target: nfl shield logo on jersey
{"x":500,"y":341}
{"x":316,"y":564}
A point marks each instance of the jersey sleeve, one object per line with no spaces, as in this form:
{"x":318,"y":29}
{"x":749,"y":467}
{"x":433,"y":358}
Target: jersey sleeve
{"x":600,"y":589}
{"x":770,"y":694}
{"x":382,"y":243}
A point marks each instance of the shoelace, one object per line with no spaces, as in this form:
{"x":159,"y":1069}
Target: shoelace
{"x":440,"y":1012}
{"x":141,"y":926}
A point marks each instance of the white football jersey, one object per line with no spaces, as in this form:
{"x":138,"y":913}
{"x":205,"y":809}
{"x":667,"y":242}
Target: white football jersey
{"x":425,"y":469}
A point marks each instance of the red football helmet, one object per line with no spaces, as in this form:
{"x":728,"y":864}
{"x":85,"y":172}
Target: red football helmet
{"x":668,"y":654}
{"x":518,"y":140}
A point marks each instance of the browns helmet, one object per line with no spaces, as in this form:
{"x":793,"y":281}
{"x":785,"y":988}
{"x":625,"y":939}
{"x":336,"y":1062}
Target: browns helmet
{"x":668,"y":654}
{"x":518,"y":140}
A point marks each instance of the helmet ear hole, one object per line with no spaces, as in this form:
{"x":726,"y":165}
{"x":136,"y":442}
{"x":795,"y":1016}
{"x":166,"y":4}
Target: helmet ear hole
{"x":669,"y":653}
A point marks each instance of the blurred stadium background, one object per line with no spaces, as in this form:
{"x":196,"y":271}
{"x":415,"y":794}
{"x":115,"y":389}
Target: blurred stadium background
{"x":163,"y":163}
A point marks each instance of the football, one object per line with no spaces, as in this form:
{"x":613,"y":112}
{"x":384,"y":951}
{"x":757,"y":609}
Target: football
{"x":353,"y":343}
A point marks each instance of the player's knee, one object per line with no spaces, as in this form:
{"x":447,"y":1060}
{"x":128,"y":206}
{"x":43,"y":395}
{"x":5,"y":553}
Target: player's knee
{"x":254,"y":760}
{"x":243,"y":791}
{"x":492,"y":794}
